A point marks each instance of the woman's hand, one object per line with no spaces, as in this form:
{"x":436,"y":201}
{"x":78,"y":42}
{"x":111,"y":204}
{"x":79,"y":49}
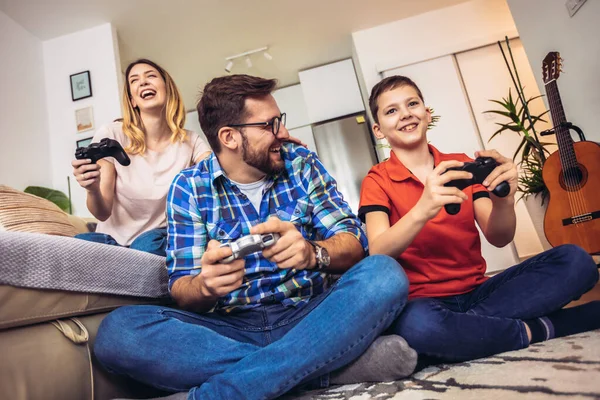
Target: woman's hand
{"x":87,"y":174}
{"x":295,"y":140}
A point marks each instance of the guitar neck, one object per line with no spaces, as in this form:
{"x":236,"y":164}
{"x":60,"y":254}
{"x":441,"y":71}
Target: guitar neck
{"x":563,"y":136}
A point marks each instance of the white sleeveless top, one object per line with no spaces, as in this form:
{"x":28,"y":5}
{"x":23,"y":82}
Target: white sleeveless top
{"x":141,"y":188}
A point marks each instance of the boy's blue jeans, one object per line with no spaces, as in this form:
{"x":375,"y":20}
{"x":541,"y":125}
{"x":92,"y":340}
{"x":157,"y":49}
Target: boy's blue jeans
{"x":154,"y":241}
{"x":260,"y":353}
{"x":488,"y":320}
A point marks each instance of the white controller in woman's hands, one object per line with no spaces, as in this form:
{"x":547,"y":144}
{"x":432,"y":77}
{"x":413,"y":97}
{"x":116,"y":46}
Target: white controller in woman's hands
{"x":249,"y":244}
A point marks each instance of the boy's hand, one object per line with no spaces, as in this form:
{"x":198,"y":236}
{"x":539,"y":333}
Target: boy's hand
{"x":436,"y":195}
{"x":291,"y":249}
{"x":506,"y":171}
{"x":219,"y":279}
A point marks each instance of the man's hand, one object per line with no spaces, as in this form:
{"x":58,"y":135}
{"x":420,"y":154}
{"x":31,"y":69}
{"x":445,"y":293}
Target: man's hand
{"x":505,"y":171}
{"x":218,"y":279}
{"x":436,"y":195}
{"x":291,"y":250}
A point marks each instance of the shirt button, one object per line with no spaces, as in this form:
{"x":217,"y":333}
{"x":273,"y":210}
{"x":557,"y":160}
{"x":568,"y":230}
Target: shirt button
{"x":296,"y":211}
{"x":221,"y":233}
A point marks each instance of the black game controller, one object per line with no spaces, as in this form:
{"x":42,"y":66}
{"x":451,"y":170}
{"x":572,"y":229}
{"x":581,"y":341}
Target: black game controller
{"x":480,"y":168}
{"x":106,"y":148}
{"x":249,"y":244}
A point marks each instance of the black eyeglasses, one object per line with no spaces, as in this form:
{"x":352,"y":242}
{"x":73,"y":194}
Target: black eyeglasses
{"x":275,"y":123}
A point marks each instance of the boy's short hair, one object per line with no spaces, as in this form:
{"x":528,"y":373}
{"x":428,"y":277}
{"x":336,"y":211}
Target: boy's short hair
{"x":389,"y":83}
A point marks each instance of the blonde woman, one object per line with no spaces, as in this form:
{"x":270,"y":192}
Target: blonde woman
{"x":130,"y":201}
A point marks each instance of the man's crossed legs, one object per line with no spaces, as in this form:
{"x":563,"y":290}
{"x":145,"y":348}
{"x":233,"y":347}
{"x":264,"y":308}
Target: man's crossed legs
{"x":261,"y":353}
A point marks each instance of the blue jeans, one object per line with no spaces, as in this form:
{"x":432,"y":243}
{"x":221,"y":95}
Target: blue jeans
{"x":488,"y":320}
{"x":154,"y":241}
{"x":260,"y":353}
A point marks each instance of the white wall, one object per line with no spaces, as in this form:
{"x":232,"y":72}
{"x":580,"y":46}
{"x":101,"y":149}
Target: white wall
{"x":193,"y":124}
{"x":95,"y":50}
{"x":544,"y":26}
{"x":24,"y":153}
{"x":430,"y":35}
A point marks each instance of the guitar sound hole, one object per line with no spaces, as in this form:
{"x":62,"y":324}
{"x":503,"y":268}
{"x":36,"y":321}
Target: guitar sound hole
{"x":573,"y":179}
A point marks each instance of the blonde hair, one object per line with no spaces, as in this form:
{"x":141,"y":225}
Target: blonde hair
{"x":133,"y":126}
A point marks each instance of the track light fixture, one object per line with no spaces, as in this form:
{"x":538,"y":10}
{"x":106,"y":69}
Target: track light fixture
{"x":246,"y":54}
{"x":229,"y":66}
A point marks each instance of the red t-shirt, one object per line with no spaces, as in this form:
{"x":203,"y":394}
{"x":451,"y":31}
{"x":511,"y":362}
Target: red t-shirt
{"x":445,"y":257}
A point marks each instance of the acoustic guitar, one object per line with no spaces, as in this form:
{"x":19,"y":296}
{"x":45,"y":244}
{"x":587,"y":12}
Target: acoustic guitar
{"x":572,"y":176}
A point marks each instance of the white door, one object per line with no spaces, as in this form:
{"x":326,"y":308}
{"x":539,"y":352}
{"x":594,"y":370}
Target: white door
{"x":486,"y":77}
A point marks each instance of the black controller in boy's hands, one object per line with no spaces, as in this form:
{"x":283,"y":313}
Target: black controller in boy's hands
{"x":480,"y":168}
{"x":106,"y":148}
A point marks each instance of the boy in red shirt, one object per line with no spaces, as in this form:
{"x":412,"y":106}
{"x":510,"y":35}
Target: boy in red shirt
{"x":455,"y":313}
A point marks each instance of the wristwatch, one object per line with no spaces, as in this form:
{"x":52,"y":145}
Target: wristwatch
{"x":321,"y":255}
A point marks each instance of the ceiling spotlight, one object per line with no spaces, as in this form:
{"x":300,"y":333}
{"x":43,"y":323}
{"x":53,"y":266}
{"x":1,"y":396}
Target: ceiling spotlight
{"x":246,"y":55}
{"x":229,"y":66}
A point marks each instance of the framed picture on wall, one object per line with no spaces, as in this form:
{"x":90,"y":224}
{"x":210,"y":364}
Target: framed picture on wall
{"x":84,"y":142}
{"x":84,"y":119}
{"x":81,"y":85}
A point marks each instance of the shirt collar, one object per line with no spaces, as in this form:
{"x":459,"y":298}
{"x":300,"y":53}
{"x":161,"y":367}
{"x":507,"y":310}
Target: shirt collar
{"x":398,"y":172}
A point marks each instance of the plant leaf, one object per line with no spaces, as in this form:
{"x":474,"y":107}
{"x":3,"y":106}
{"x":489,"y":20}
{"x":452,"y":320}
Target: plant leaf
{"x":55,"y":196}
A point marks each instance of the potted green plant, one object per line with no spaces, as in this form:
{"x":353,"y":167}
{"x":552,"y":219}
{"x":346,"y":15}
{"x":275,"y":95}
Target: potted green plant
{"x":55,"y":196}
{"x":531,"y":153}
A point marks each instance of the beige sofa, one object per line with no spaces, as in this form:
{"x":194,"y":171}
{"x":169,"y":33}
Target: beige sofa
{"x":46,"y":334}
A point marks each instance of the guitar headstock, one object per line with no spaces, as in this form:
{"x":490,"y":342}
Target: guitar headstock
{"x":552,"y":66}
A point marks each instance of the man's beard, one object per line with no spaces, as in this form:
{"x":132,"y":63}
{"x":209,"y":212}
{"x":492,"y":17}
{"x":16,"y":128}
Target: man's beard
{"x":259,"y":160}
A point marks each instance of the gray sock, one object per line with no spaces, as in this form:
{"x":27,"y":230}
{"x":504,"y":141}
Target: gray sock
{"x":389,"y":358}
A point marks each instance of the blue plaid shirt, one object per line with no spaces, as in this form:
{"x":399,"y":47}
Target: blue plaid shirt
{"x":203,"y":204}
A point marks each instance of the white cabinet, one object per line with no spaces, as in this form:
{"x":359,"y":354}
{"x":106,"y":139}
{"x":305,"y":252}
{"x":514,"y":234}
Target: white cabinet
{"x":305,"y":134}
{"x":291,"y":101}
{"x":331,"y":91}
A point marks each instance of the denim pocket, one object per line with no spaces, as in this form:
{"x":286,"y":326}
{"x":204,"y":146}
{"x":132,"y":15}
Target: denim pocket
{"x":225,"y":230}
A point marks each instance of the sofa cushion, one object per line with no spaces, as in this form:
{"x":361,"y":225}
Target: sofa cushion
{"x":23,"y":212}
{"x":51,"y":262}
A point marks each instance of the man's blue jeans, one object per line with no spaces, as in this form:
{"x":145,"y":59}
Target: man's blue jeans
{"x":488,"y":320}
{"x":154,"y":241}
{"x":260,"y":353}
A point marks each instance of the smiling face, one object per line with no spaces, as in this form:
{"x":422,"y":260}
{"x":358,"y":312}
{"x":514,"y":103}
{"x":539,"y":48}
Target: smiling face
{"x":261,"y":149}
{"x":403,"y":118}
{"x":147,"y":88}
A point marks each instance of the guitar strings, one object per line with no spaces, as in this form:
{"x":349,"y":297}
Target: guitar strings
{"x":568,"y":159}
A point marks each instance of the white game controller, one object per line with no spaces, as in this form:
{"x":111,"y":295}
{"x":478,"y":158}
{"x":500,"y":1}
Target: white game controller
{"x":249,"y":244}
